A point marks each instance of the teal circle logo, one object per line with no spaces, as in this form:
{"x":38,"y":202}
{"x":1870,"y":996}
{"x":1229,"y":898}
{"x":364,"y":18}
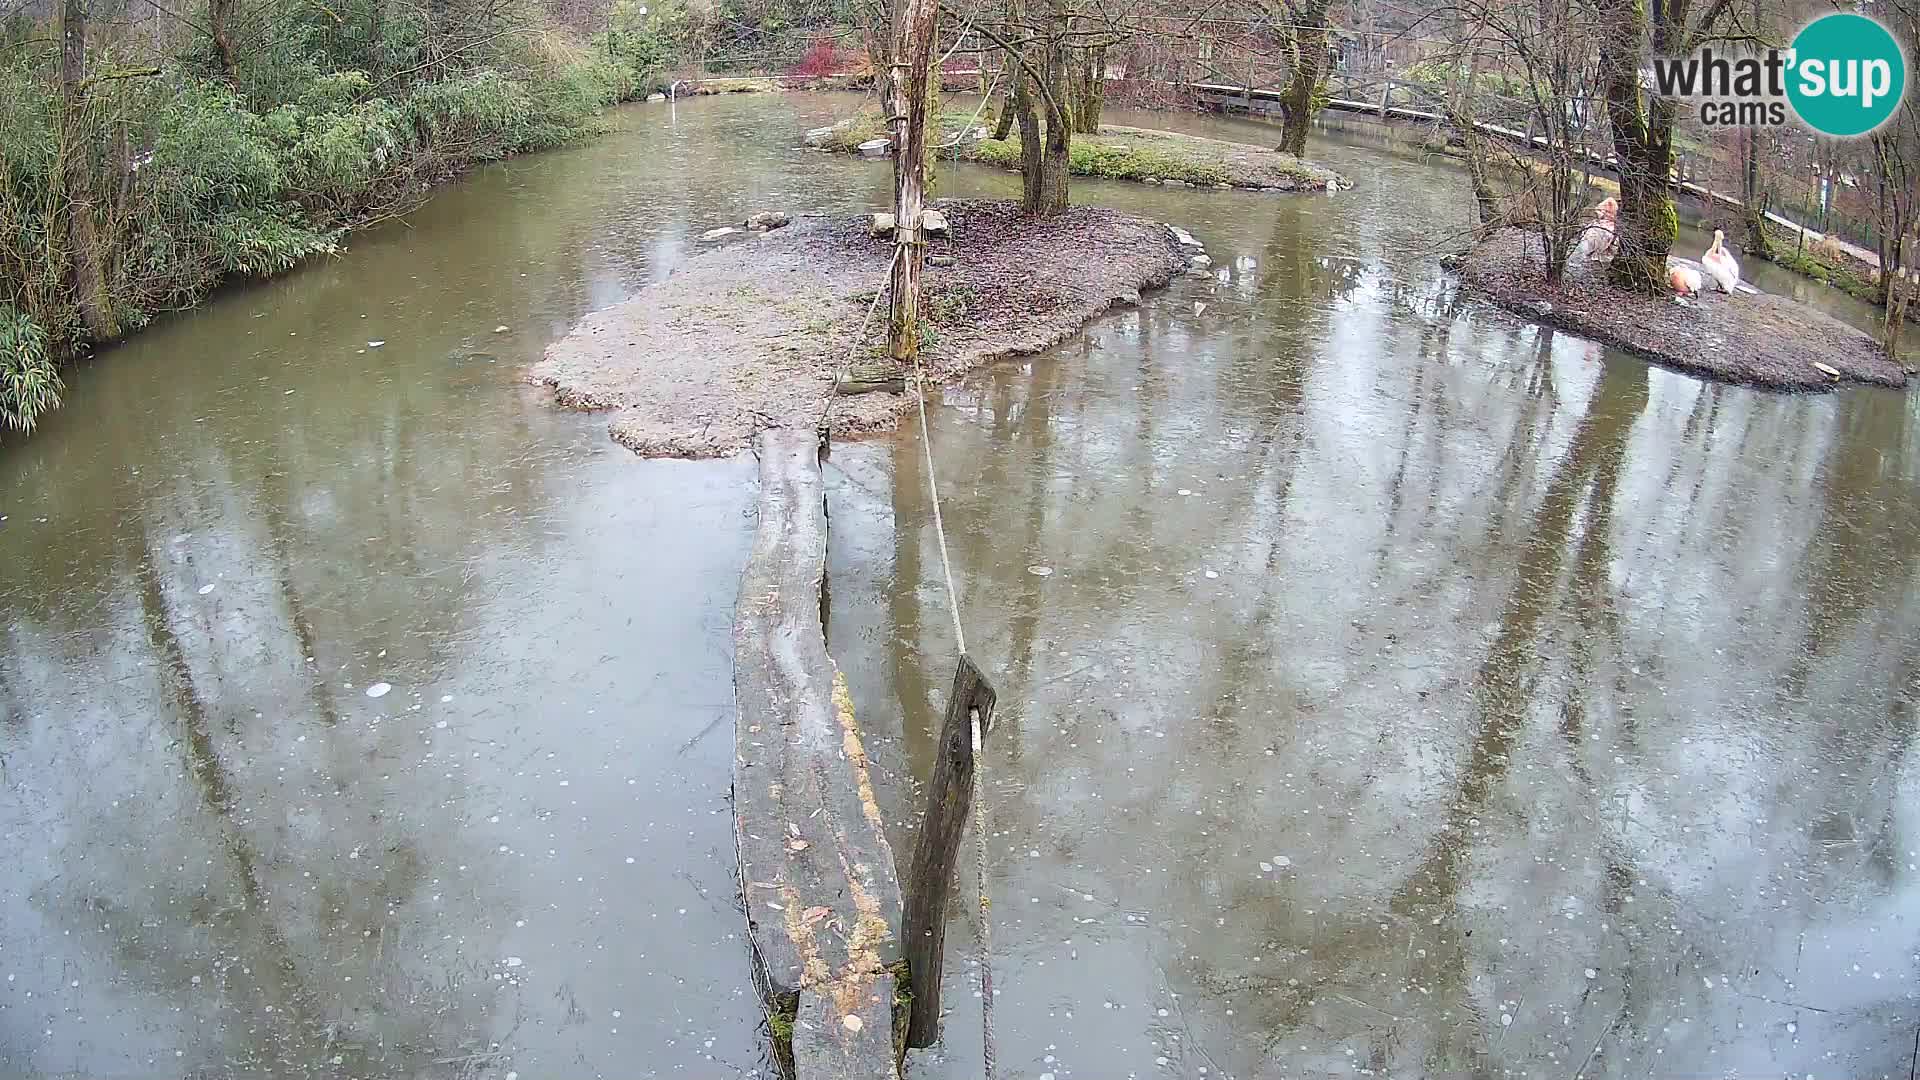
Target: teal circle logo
{"x":1848,"y":75}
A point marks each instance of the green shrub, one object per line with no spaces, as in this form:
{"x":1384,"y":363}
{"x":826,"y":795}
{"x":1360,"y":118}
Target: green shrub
{"x":333,"y":113}
{"x":29,"y":381}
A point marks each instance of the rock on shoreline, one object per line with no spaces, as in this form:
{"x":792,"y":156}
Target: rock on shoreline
{"x":1756,"y":339}
{"x":751,"y":336}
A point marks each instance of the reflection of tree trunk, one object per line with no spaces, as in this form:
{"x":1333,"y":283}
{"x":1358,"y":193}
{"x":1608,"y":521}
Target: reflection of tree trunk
{"x":1589,"y":472}
{"x":211,"y":782}
{"x":280,"y":538}
{"x":918,"y":720}
{"x":1857,"y":546}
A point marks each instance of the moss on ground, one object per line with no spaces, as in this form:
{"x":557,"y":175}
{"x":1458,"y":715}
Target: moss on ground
{"x":1806,"y":260}
{"x":902,"y":1006}
{"x":780,"y":1019}
{"x":1115,"y":153}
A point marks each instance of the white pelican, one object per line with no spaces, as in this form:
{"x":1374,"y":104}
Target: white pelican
{"x":1719,"y":263}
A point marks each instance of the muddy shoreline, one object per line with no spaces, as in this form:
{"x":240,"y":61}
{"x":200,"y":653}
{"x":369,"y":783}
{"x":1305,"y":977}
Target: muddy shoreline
{"x":1762,"y":340}
{"x":751,"y":336}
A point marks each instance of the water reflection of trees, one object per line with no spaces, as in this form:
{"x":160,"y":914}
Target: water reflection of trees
{"x":1481,"y":744}
{"x":248,"y":862}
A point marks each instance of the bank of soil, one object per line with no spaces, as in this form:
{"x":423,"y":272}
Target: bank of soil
{"x":1754,"y":338}
{"x":1116,"y":153}
{"x":752,"y":335}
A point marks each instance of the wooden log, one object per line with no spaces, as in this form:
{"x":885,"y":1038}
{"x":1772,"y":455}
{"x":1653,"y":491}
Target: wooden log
{"x":816,"y":872}
{"x":930,"y":881}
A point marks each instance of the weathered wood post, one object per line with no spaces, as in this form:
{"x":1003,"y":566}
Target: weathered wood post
{"x":913,"y":52}
{"x":923,"y":923}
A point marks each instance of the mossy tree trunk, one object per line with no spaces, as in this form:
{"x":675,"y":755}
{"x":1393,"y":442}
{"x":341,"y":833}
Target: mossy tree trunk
{"x":1040,"y":105}
{"x":1003,"y":118}
{"x":1643,"y":127}
{"x":909,"y":77}
{"x":1899,"y":176}
{"x":1309,"y":56}
{"x":76,"y":155}
{"x":1643,"y":147}
{"x":1089,"y":88}
{"x":219,"y":20}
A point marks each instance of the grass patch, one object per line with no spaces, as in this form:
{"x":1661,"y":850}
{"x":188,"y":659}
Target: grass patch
{"x":780,"y":1020}
{"x":1092,"y":155}
{"x":1838,"y":275}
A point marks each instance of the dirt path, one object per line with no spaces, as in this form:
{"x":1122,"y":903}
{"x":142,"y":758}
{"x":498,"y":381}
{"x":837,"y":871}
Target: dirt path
{"x":1754,"y":338}
{"x":751,"y":336}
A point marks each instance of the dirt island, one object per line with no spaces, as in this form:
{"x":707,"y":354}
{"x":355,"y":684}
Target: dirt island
{"x":1755,"y":338}
{"x":754,"y":334}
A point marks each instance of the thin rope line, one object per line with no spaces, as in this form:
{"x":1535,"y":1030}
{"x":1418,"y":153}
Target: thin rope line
{"x":939,"y":526}
{"x":859,"y":334}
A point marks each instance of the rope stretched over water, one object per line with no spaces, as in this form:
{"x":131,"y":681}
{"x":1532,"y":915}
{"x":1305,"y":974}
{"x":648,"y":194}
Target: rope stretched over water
{"x":978,"y":810}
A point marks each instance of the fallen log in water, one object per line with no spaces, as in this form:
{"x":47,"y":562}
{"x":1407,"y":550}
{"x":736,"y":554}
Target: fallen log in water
{"x":821,"y":896}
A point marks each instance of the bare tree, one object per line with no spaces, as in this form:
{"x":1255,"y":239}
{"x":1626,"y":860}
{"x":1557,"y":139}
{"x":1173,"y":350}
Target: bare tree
{"x":908,"y":77}
{"x":1531,"y":56}
{"x":1896,"y":150}
{"x":76,"y":149}
{"x":1643,"y":126}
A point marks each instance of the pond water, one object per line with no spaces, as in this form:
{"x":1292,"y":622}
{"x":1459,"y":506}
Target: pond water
{"x":1389,"y":686}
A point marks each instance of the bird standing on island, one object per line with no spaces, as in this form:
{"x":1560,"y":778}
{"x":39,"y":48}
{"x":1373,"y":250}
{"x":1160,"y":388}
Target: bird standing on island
{"x":1598,"y":238}
{"x":1685,"y":280}
{"x":1720,"y":263}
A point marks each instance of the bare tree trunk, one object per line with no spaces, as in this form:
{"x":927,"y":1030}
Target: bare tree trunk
{"x":908,"y":76}
{"x":219,"y":15}
{"x":1309,"y":66}
{"x":76,"y":150}
{"x":1758,"y":246}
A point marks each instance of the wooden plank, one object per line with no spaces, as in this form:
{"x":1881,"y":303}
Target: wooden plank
{"x":844,"y":1030}
{"x":930,"y":880}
